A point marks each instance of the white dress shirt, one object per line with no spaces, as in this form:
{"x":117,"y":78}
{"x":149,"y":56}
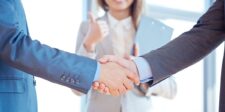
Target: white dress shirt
{"x":123,"y":33}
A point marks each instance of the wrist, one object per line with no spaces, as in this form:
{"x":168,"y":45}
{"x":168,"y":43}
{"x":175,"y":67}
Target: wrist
{"x":89,"y":45}
{"x":134,"y":66}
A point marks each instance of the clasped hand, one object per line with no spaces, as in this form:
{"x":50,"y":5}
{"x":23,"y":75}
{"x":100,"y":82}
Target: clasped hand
{"x":117,"y":75}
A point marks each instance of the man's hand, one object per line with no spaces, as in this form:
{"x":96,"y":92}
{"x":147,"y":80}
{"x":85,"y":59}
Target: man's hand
{"x":117,"y":79}
{"x":125,"y":63}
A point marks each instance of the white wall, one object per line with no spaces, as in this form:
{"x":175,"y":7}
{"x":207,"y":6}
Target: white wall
{"x":55,"y":22}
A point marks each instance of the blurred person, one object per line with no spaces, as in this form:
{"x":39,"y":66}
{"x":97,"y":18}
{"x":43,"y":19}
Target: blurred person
{"x":114,"y":34}
{"x":22,"y":58}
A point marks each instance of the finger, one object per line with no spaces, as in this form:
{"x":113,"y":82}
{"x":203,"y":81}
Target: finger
{"x":102,"y":86}
{"x":96,"y":84}
{"x":120,"y":61}
{"x":95,"y":88}
{"x":91,"y":17}
{"x":122,"y":90}
{"x":128,"y":84}
{"x":105,"y":59}
{"x":127,"y":57}
{"x":114,"y":92}
{"x":103,"y":25}
{"x":133,"y":77}
{"x":106,"y":91}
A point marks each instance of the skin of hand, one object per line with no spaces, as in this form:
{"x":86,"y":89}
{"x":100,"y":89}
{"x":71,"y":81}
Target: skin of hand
{"x":96,"y":32}
{"x":117,"y":79}
{"x":126,"y":63}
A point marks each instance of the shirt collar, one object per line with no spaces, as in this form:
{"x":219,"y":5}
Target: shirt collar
{"x":127,"y":22}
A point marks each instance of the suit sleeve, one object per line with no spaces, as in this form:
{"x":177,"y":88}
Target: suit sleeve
{"x":189,"y":47}
{"x":20,"y":51}
{"x":80,"y":50}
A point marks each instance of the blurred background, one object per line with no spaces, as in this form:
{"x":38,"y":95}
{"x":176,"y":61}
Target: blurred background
{"x":56,"y":23}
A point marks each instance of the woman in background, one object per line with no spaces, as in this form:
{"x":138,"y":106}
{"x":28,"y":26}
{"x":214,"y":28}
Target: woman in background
{"x":113,"y":34}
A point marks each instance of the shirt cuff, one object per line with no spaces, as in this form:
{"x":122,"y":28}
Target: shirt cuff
{"x":97,"y":73}
{"x":145,"y":73}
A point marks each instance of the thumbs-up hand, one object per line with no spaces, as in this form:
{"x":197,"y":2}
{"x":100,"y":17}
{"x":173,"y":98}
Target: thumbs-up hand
{"x":96,"y":32}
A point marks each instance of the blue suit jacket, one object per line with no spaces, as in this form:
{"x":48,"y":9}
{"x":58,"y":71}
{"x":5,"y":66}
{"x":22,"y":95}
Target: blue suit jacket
{"x":21,"y":56}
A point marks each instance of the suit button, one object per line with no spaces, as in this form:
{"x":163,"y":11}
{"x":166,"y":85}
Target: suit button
{"x":63,"y":77}
{"x":72,"y":81}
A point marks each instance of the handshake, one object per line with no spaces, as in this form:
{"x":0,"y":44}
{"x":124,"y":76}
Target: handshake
{"x":117,"y":75}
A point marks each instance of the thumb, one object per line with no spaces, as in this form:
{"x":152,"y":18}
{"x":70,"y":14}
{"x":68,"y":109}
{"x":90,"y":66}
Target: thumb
{"x":127,"y":57}
{"x":106,"y":58}
{"x":103,"y":60}
{"x":133,"y":77}
{"x":91,"y":17}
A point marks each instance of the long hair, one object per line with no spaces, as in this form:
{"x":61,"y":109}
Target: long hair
{"x":135,"y":10}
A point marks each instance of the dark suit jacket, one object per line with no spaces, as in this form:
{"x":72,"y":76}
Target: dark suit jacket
{"x":191,"y":46}
{"x":21,"y":56}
